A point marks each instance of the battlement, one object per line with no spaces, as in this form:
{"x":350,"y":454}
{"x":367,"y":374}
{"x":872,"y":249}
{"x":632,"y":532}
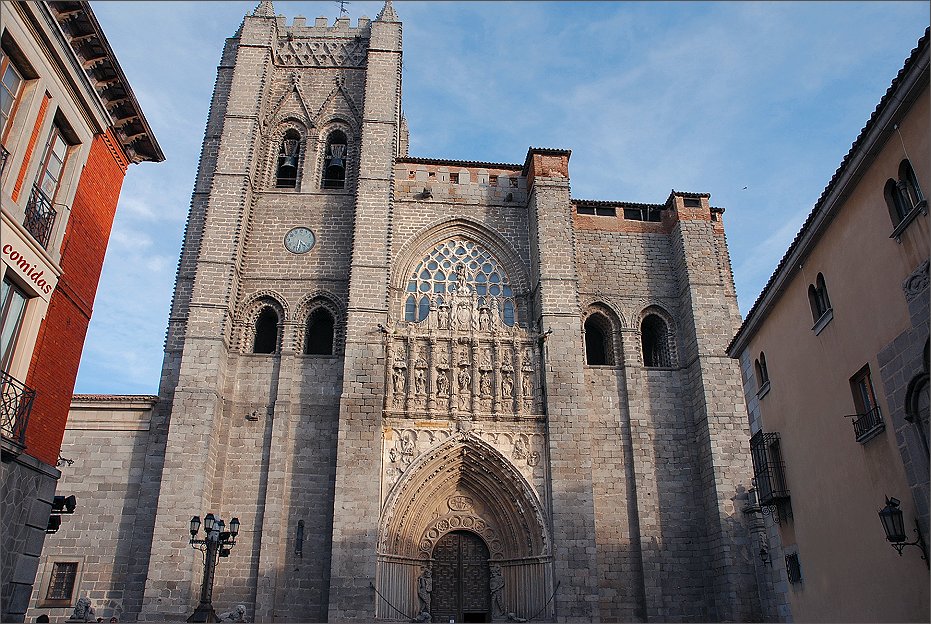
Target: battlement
{"x":321,"y":28}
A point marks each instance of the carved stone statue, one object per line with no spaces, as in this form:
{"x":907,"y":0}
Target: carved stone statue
{"x":424,"y":589}
{"x":465,"y":379}
{"x":83,"y":611}
{"x":443,"y":316}
{"x":507,"y":386}
{"x":485,"y":382}
{"x":442,"y":383}
{"x":496,"y":585}
{"x":528,"y":384}
{"x":484,"y":319}
{"x":236,"y":615}
{"x":420,"y":380}
{"x":398,"y":381}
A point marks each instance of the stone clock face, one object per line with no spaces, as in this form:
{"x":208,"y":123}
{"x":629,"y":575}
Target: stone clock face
{"x":299,"y":240}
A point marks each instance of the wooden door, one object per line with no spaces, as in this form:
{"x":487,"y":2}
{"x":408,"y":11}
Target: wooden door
{"x":460,"y":579}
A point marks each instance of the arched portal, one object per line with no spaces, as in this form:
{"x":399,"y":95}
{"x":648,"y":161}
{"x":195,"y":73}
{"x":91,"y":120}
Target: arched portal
{"x":463,"y":484}
{"x":461,"y":578}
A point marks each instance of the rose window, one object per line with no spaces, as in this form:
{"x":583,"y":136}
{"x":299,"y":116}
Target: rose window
{"x":459,"y":267}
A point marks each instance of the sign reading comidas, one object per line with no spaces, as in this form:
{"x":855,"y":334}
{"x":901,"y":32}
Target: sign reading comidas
{"x":27,"y":264}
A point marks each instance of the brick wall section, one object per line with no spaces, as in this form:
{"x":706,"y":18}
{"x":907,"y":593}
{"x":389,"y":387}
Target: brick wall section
{"x":30,"y":148}
{"x":57,"y":354}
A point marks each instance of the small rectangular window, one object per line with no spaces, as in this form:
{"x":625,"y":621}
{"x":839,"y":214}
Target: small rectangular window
{"x":61,"y":582}
{"x":585,"y":210}
{"x":605,"y":211}
{"x":512,"y":182}
{"x":454,"y":178}
{"x":10,"y":90}
{"x":431,"y":174}
{"x":492,"y":180}
{"x":691,"y":202}
{"x":411,"y":175}
{"x":793,"y":568}
{"x":13,"y":302}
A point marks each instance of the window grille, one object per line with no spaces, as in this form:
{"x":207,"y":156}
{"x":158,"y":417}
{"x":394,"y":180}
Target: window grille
{"x":768,"y":468}
{"x":654,"y":338}
{"x":61,"y":583}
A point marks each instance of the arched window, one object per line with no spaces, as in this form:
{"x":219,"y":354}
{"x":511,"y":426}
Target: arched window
{"x":334,"y":161}
{"x":318,"y":339}
{"x":266,"y":331}
{"x":762,"y":375}
{"x":911,"y":191}
{"x":288,"y":160}
{"x":894,"y":201}
{"x":902,"y":195}
{"x":459,"y":265}
{"x":599,"y":349}
{"x":654,"y":338}
{"x":818,"y":298}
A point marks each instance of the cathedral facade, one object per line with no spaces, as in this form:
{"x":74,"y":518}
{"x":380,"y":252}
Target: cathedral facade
{"x":428,"y":388}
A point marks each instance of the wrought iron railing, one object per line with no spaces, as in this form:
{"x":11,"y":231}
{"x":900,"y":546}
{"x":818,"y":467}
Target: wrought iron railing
{"x":40,"y":216}
{"x":4,"y":154}
{"x":865,"y":426}
{"x":768,"y":468}
{"x":15,"y":406}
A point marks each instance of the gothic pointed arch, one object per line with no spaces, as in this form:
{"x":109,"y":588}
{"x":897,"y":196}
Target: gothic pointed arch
{"x":464,"y":484}
{"x":439,"y":482}
{"x":657,"y":337}
{"x":337,"y":103}
{"x":412,"y":251}
{"x":337,"y":154}
{"x":291,"y":103}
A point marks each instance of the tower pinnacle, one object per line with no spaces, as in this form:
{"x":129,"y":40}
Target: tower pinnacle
{"x":387,"y":13}
{"x":265,"y":8}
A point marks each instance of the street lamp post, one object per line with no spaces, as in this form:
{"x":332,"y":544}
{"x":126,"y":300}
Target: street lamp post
{"x":217,"y":543}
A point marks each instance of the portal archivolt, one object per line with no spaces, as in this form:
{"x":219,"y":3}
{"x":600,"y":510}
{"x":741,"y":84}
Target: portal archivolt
{"x":463,"y":483}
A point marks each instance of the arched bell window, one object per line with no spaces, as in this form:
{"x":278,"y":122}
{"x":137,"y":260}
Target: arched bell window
{"x":599,"y":345}
{"x":289,"y":155}
{"x":334,"y":161}
{"x":319,"y":335}
{"x":654,"y":338}
{"x":266,"y":331}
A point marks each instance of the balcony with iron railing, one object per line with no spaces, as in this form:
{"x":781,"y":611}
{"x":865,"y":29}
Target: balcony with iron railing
{"x":867,"y":425}
{"x":16,"y":400}
{"x":40,"y":216}
{"x":4,"y":155}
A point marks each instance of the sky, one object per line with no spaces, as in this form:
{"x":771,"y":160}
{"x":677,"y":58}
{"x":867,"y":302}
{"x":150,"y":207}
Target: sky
{"x":754,"y":102}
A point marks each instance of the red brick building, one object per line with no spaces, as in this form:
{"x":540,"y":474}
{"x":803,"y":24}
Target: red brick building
{"x":70,"y":126}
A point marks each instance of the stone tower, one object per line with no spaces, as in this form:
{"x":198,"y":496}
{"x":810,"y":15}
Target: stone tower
{"x":433,"y":385}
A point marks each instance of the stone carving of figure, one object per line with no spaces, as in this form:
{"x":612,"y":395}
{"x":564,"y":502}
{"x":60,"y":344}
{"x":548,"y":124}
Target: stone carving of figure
{"x":443,"y":316}
{"x":465,"y":379}
{"x":485,"y":382}
{"x":486,"y":358}
{"x":442,"y":383}
{"x":420,"y":379}
{"x":424,"y":589}
{"x":236,"y":615}
{"x":507,"y":386}
{"x":496,"y":584}
{"x":83,"y":611}
{"x":484,"y":319}
{"x":528,"y":385}
{"x":398,"y":381}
